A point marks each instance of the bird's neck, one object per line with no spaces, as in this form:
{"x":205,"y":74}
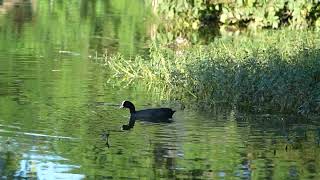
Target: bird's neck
{"x":132,"y":110}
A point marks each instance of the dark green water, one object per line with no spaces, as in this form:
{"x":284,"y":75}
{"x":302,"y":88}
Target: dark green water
{"x":56,"y":100}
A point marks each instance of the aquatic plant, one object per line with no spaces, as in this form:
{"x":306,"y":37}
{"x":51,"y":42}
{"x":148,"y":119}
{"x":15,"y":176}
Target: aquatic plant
{"x":273,"y":71}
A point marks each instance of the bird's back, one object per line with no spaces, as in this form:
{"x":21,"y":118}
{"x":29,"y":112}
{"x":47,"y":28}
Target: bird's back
{"x":157,"y":114}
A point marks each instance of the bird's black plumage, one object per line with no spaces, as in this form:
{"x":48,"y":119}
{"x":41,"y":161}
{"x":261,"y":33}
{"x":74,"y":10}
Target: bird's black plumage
{"x":151,"y":115}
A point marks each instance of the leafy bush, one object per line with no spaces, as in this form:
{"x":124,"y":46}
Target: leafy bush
{"x":183,"y":17}
{"x":271,"y":13}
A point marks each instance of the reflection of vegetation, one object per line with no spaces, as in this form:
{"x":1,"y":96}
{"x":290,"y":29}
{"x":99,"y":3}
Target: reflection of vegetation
{"x":86,"y":28}
{"x":288,"y":146}
{"x":8,"y":164}
{"x":115,"y":25}
{"x":42,"y":91}
{"x":275,"y":71}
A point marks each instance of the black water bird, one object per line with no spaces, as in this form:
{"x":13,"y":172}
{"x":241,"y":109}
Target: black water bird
{"x":151,"y":115}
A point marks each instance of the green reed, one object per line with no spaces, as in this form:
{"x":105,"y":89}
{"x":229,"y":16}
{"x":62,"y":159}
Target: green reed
{"x":274,"y":71}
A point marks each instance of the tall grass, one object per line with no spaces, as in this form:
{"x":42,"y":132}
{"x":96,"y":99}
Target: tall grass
{"x":274,"y":71}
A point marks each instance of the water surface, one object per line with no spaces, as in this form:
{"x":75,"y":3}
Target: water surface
{"x":56,"y":102}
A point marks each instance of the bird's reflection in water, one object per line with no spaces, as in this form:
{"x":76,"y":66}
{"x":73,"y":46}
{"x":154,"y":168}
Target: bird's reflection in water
{"x":105,"y":137}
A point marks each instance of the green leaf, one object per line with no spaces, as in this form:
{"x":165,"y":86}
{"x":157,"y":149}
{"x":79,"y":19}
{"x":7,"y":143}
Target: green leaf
{"x":223,"y":18}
